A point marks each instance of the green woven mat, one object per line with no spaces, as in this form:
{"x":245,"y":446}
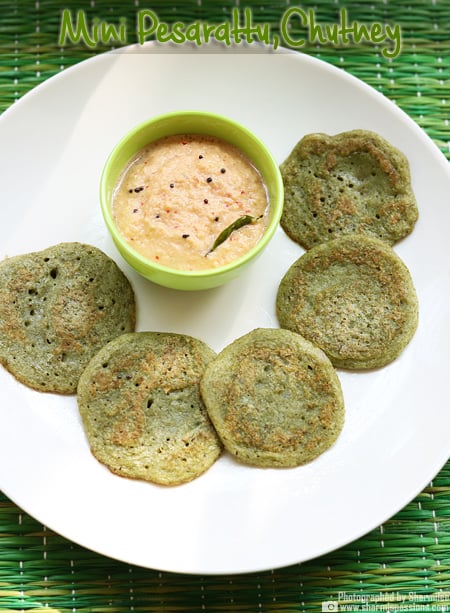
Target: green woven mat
{"x":402,"y":565}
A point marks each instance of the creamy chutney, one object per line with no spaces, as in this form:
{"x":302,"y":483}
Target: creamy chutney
{"x":180,"y":193}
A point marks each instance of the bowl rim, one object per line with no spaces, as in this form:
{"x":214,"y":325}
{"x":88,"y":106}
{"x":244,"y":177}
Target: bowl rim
{"x":142,"y":261}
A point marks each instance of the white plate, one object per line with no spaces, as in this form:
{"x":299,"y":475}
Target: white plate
{"x":232,"y":519}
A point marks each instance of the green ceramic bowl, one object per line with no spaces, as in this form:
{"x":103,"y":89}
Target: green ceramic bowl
{"x":194,"y":122}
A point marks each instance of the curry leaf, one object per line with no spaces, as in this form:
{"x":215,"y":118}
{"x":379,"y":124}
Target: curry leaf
{"x":237,"y":223}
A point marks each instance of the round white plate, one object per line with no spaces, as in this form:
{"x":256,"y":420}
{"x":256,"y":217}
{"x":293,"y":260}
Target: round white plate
{"x":234,"y":518}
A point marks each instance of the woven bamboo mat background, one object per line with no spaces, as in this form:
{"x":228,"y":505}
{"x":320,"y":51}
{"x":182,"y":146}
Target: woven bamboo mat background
{"x":408,"y":556}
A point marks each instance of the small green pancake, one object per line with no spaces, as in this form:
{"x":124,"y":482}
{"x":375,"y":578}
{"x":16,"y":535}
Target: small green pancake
{"x":352,"y":182}
{"x":354,"y":298}
{"x":139,"y":400}
{"x":57,"y":308}
{"x":274,"y":399}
